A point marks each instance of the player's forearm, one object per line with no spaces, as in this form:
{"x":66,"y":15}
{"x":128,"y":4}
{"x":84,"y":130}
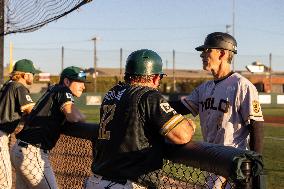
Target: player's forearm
{"x":81,"y":130}
{"x":256,"y":136}
{"x":179,"y":107}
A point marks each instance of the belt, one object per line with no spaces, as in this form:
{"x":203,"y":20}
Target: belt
{"x":119,"y":181}
{"x":25,"y":145}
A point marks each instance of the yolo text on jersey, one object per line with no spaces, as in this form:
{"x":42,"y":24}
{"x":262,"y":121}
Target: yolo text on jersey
{"x":223,"y":105}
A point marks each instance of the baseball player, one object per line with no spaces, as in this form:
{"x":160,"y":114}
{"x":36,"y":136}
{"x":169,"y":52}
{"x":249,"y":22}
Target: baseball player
{"x":135,"y":120}
{"x":42,"y":129}
{"x":15,"y":102}
{"x":228,"y":105}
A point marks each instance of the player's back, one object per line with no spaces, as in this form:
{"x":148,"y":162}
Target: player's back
{"x":122,"y":145}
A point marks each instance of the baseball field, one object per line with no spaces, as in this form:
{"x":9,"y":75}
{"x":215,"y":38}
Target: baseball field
{"x":273,"y":143}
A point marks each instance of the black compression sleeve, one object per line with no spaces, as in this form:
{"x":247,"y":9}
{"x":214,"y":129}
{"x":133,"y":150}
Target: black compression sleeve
{"x":179,"y":107}
{"x":256,"y":129}
{"x":81,"y":130}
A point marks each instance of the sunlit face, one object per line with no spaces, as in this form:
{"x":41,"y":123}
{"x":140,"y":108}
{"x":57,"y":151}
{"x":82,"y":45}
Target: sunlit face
{"x":211,"y":59}
{"x":77,"y":88}
{"x":29,"y":77}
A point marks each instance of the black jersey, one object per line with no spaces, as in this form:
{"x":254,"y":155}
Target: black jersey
{"x":14,"y":99}
{"x":133,"y":120}
{"x":43,"y":125}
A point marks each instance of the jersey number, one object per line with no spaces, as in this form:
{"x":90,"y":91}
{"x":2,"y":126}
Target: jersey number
{"x":108,"y":113}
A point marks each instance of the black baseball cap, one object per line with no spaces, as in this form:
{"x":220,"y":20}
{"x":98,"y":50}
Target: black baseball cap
{"x":219,"y":40}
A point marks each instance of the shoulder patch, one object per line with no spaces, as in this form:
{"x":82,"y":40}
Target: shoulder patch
{"x":256,"y":106}
{"x":70,"y":96}
{"x":28,"y":97}
{"x":166,"y":107}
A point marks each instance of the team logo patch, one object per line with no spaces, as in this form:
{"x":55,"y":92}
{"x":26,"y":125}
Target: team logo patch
{"x":70,"y":96}
{"x":256,"y":106}
{"x":166,"y":107}
{"x":28,"y":97}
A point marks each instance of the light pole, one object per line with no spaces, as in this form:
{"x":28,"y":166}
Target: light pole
{"x":95,"y":64}
{"x":1,"y":42}
{"x":227,"y":28}
{"x":233,"y":31}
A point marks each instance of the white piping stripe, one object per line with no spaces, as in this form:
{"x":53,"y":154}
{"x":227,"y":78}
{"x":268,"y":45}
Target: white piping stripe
{"x":166,"y":127}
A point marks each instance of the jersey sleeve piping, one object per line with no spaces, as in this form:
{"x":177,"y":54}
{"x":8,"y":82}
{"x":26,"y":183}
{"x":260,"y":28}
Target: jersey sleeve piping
{"x":189,"y":105}
{"x":172,"y":123}
{"x":255,"y":118}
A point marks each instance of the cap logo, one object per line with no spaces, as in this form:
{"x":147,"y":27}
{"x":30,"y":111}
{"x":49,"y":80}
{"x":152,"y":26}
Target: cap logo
{"x":82,"y":74}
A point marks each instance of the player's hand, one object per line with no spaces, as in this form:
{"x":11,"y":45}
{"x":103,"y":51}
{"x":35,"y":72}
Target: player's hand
{"x":192,"y":124}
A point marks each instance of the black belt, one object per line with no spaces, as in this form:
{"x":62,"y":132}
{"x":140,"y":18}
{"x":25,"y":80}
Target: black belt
{"x":25,"y":145}
{"x":119,"y":181}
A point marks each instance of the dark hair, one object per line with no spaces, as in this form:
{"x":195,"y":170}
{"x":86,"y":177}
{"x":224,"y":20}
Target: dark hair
{"x":130,"y":78}
{"x":61,"y":81}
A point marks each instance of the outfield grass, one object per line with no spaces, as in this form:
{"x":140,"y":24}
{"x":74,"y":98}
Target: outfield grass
{"x":273,"y":111}
{"x":273,"y":154}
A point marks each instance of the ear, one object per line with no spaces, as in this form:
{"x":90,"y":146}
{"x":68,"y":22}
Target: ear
{"x":156,"y":79}
{"x":222,"y":54}
{"x":25,"y":76}
{"x":66,"y":82}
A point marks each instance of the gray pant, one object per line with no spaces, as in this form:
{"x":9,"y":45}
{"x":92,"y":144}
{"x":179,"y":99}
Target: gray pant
{"x":5,"y":162}
{"x":96,"y":182}
{"x":33,"y":170}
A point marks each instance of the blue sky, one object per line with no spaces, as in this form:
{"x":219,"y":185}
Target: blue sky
{"x":160,"y":25}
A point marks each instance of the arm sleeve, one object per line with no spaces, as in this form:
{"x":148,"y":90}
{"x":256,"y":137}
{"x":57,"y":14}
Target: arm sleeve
{"x":250,"y":108}
{"x":65,"y":97}
{"x":81,"y":130}
{"x":256,"y":130}
{"x":24,"y":98}
{"x":179,"y":107}
{"x":191,"y":102}
{"x":160,"y":114}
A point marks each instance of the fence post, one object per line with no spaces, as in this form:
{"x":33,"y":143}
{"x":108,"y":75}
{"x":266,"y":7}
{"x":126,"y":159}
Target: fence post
{"x":247,"y":182}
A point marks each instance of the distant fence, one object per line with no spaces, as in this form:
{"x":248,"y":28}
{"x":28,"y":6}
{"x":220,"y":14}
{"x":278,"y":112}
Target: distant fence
{"x":49,"y":59}
{"x":266,"y":100}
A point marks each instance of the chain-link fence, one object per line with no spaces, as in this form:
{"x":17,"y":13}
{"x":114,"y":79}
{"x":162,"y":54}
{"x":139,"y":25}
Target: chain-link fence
{"x":53,"y":59}
{"x":72,"y":157}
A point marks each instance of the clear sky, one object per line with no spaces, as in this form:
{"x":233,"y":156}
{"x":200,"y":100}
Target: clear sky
{"x":160,"y":25}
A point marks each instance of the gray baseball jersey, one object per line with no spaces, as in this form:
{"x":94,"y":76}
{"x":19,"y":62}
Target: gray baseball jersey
{"x":225,"y":109}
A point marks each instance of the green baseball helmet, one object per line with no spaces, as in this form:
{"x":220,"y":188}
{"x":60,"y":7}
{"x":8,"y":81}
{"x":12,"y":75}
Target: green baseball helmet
{"x":144,"y":62}
{"x":74,"y":73}
{"x":219,"y":40}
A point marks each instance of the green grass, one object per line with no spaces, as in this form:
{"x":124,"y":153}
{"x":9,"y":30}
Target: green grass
{"x":273,"y":111}
{"x":273,"y":154}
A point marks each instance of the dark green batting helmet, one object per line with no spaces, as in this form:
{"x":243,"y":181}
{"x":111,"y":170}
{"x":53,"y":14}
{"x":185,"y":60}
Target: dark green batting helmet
{"x":219,"y":40}
{"x":144,"y":62}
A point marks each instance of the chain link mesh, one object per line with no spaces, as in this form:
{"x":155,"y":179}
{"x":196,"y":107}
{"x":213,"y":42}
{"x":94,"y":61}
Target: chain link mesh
{"x":71,"y":161}
{"x":30,"y":15}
